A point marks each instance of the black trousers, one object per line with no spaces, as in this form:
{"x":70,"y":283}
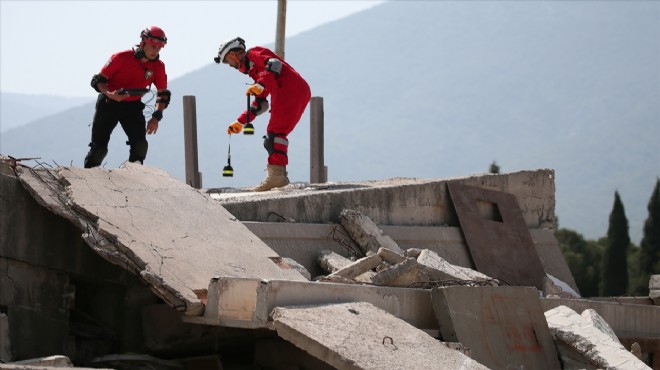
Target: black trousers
{"x":108,"y":114}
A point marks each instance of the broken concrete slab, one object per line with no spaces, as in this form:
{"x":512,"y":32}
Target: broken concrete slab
{"x":247,"y":303}
{"x":403,"y":274}
{"x":599,"y":349}
{"x":357,"y":268}
{"x":366,"y":233}
{"x":599,"y":323}
{"x":391,"y":256}
{"x":175,"y":241}
{"x":303,"y":242}
{"x":405,"y":202}
{"x":504,"y":327}
{"x":437,"y":268}
{"x":331,"y":261}
{"x":359,"y":335}
{"x":496,"y":235}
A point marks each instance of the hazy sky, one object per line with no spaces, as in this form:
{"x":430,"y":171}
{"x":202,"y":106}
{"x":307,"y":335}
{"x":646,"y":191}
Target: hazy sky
{"x":54,"y":47}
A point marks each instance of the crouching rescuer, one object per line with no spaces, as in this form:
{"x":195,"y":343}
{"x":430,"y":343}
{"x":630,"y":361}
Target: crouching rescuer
{"x":121,"y":83}
{"x":289,"y":95}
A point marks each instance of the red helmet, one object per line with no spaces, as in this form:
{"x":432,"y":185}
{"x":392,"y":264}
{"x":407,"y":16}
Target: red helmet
{"x":154,"y":35}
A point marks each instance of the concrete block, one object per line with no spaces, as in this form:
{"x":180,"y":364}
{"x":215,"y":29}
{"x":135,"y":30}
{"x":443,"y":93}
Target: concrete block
{"x":359,"y":335}
{"x":331,"y":261}
{"x":438,"y":269}
{"x":403,"y":274}
{"x":358,"y":267}
{"x":390,"y":256}
{"x":366,"y":233}
{"x":504,"y":327}
{"x":568,"y":327}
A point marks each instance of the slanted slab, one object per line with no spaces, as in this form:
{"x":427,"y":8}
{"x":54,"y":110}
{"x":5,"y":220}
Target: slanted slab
{"x":359,"y":335}
{"x":504,"y":327}
{"x":437,"y":268}
{"x":176,"y":238}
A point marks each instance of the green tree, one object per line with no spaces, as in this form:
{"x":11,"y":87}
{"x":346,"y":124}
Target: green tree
{"x":615,"y":262}
{"x":649,"y":256}
{"x":584,"y":259}
{"x":494,"y":168}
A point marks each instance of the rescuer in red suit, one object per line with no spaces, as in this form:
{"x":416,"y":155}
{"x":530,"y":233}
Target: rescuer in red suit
{"x":135,"y":68}
{"x":289,"y":95}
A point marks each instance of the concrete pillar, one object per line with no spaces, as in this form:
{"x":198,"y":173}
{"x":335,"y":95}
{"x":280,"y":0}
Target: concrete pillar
{"x":193,"y":177}
{"x":318,"y":172}
{"x":280,"y":28}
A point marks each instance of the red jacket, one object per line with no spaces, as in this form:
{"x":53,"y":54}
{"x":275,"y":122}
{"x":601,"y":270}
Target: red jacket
{"x":289,"y":92}
{"x":124,"y":70}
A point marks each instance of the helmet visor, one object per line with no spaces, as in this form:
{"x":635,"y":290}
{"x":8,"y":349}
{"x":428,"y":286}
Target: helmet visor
{"x":156,"y":41}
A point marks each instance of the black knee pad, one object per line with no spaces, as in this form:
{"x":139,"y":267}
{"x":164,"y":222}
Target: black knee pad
{"x":138,"y":151}
{"x":95,"y":156}
{"x":269,"y":142}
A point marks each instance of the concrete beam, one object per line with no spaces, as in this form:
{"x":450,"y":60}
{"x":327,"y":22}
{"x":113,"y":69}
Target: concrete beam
{"x":398,"y":201}
{"x":247,"y":303}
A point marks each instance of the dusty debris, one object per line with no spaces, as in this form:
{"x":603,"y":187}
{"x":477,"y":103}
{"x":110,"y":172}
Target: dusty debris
{"x":366,"y":233}
{"x":402,"y":274}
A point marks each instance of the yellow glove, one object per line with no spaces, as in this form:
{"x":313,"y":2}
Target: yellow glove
{"x":235,"y":128}
{"x":255,"y":89}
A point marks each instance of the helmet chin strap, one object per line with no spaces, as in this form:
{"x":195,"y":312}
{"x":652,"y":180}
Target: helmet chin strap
{"x":243,"y":65}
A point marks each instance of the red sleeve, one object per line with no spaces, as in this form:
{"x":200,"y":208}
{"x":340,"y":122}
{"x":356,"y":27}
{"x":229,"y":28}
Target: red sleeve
{"x":160,"y":81}
{"x":111,"y":66}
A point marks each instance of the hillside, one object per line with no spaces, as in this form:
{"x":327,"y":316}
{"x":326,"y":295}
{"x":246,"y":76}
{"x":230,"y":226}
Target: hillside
{"x":434,"y":90}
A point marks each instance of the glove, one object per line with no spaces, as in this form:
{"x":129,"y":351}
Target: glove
{"x":235,"y":128}
{"x":255,"y":89}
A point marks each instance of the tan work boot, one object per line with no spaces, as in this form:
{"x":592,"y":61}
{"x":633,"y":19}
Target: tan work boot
{"x":276,"y":178}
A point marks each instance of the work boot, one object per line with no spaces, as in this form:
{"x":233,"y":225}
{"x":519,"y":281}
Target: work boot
{"x":276,"y":178}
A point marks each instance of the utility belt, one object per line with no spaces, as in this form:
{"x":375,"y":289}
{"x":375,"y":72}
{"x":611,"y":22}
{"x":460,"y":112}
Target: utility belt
{"x":102,"y":99}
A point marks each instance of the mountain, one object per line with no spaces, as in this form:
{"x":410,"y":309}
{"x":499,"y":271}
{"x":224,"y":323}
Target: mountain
{"x":19,"y":109}
{"x":434,"y":90}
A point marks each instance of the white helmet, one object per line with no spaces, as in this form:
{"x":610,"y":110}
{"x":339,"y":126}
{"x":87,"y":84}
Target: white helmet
{"x":227,"y":46}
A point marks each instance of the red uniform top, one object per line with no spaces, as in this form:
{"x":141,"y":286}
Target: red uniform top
{"x":124,"y":70}
{"x":289,"y":91}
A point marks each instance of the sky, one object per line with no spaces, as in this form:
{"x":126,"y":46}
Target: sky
{"x":55,"y":47}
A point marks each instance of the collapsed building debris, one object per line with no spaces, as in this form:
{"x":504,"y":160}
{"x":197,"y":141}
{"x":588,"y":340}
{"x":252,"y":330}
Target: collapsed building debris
{"x":590,"y":338}
{"x":221,"y":282}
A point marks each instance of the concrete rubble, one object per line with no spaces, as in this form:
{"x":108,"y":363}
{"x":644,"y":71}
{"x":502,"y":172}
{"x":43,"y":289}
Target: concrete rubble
{"x":589,"y":336}
{"x":351,"y":276}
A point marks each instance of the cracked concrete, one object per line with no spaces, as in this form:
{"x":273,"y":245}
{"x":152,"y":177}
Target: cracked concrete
{"x":176,"y":240}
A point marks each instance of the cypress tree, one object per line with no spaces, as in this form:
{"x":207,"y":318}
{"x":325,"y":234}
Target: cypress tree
{"x":649,"y":257}
{"x":615,"y":265}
